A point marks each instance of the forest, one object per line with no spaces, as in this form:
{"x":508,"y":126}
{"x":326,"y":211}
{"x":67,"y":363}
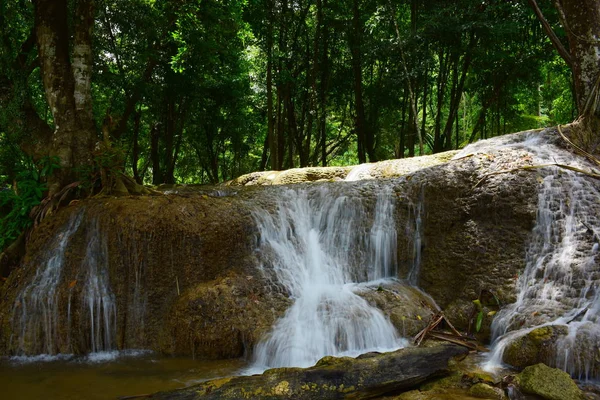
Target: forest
{"x":180,"y":92}
{"x":308,"y":199}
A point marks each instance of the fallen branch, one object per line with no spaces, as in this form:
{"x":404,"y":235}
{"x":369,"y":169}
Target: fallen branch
{"x":456,"y":337}
{"x":459,"y":340}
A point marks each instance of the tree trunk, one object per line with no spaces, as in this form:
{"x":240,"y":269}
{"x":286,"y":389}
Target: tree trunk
{"x":67,"y":84}
{"x":355,"y":50}
{"x":271,"y":139}
{"x":581,"y":19}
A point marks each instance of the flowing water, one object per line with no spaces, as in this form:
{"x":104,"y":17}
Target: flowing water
{"x":97,"y":295}
{"x":36,"y":313}
{"x":414,"y":230}
{"x":317,"y":243}
{"x":561,"y":279}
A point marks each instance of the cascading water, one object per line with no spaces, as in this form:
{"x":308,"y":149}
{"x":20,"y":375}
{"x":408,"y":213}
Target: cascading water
{"x":414,"y":229}
{"x":36,"y":311}
{"x":97,"y":295}
{"x":561,"y":280}
{"x":38,"y":308}
{"x":317,"y":243}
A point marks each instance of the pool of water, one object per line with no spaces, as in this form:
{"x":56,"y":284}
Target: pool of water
{"x":104,"y":375}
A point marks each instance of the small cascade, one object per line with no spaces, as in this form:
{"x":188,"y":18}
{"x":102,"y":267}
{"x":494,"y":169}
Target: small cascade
{"x":36,"y":312}
{"x":97,"y":296}
{"x":561,"y":280}
{"x":47,"y":309}
{"x":414,"y":230}
{"x":318,"y":243}
{"x":384,"y":238}
{"x":359,"y":172}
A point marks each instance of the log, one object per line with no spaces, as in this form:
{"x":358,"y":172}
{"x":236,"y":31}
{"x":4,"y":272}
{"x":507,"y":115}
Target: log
{"x":368,"y":376}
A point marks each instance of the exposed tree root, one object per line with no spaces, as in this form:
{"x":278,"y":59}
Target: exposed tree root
{"x":120,"y":184}
{"x":578,"y":125}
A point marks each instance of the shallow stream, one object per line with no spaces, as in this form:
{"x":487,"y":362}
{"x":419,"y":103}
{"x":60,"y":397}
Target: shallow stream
{"x":105,"y":375}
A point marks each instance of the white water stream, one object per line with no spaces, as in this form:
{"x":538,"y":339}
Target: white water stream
{"x":36,"y":309}
{"x":318,"y":244}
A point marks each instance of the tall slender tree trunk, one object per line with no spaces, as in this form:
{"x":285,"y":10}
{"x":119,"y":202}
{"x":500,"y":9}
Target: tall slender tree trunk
{"x":355,"y":50}
{"x":322,"y":115}
{"x":271,"y":138}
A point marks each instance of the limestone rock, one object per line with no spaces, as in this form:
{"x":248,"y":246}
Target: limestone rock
{"x":548,"y":383}
{"x":408,"y":308}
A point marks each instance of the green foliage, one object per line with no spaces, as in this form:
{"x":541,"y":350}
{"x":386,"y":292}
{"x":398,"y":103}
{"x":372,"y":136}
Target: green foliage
{"x":479,"y":315}
{"x":196,"y":74}
{"x":17,"y":202}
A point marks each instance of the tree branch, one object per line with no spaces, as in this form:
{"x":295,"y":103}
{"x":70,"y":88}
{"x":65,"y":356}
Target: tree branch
{"x":562,"y":51}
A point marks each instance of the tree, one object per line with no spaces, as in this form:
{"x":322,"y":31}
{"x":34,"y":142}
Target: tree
{"x":581,"y":21}
{"x":67,"y":75}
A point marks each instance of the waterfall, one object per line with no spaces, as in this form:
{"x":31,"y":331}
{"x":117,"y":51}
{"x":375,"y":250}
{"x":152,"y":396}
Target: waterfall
{"x":97,"y":295}
{"x":561,"y":279}
{"x":36,"y":311}
{"x":317,"y":243}
{"x":414,"y":230}
{"x":38,"y":308}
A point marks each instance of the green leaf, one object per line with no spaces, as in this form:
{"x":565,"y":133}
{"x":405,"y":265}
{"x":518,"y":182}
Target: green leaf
{"x":479,"y":321}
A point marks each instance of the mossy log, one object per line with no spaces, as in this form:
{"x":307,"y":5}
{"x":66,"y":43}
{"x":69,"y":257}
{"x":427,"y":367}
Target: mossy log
{"x":367,"y":376}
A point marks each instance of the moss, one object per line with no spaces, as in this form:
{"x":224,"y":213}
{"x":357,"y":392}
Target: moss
{"x":443,"y":383}
{"x":535,"y":347}
{"x":549,"y":383}
{"x":483,"y":391}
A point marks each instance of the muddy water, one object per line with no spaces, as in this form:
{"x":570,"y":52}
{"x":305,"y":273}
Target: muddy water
{"x":104,"y":375}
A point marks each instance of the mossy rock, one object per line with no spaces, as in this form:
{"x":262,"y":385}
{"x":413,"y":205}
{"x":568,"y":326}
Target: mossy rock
{"x":535,"y":347}
{"x":484,"y":391}
{"x":442,"y":384}
{"x":548,"y":383}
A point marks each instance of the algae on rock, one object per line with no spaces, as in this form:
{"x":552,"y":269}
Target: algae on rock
{"x":548,"y":383}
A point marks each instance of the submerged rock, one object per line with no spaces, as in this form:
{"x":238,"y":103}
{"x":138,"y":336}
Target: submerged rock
{"x":485,"y":391}
{"x":548,"y":383}
{"x":364,"y":377}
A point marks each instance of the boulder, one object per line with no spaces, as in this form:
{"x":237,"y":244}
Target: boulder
{"x":364,"y":377}
{"x":537,"y":346}
{"x":407,"y":307}
{"x":548,"y":383}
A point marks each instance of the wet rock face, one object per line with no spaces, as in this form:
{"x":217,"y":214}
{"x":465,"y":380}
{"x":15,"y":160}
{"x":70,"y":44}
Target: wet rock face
{"x":474,"y":231}
{"x":221,"y":319}
{"x":408,"y":308}
{"x":186,"y":279}
{"x":153,"y":249}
